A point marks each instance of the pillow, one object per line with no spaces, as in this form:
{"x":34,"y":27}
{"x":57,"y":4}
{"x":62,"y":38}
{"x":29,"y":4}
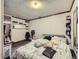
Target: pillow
{"x":55,"y":40}
{"x":40,"y":42}
{"x":62,"y":39}
{"x":47,"y":45}
{"x":47,"y":37}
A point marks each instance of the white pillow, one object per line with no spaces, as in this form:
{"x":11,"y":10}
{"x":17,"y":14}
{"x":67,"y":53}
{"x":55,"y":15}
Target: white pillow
{"x":40,"y":42}
{"x":62,"y":39}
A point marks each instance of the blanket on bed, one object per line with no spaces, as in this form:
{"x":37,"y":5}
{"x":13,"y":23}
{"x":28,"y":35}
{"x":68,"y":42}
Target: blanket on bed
{"x":29,"y":51}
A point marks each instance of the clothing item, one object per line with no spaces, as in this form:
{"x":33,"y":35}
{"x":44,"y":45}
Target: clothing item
{"x":27,"y":36}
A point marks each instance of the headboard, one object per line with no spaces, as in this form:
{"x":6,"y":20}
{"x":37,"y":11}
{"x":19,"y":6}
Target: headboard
{"x":63,"y":36}
{"x":52,"y":35}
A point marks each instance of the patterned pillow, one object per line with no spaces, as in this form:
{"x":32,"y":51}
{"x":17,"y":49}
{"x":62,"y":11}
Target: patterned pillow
{"x":40,"y":42}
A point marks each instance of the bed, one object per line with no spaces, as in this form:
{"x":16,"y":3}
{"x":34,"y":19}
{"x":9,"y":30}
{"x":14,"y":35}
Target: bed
{"x":30,"y":51}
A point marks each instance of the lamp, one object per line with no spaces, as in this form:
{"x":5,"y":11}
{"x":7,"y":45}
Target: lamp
{"x":36,"y":4}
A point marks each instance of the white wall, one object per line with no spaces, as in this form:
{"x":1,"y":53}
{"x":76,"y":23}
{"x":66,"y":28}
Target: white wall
{"x":73,"y":8}
{"x":18,"y":34}
{"x":1,"y":35}
{"x":50,"y":25}
{"x":1,"y":28}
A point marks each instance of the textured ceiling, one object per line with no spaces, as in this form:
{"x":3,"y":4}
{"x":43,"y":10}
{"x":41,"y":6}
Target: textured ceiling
{"x":22,"y":8}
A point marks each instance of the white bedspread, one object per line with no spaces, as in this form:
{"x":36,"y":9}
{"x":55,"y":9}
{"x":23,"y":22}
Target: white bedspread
{"x":30,"y":52}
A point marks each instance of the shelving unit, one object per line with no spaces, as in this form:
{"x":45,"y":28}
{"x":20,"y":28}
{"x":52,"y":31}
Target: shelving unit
{"x":68,"y":26}
{"x":7,"y":37}
{"x":21,"y":24}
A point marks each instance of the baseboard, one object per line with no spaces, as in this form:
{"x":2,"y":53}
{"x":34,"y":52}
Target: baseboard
{"x":14,"y":44}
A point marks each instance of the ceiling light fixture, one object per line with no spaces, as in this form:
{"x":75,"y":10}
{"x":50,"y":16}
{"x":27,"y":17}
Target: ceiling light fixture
{"x":36,"y":4}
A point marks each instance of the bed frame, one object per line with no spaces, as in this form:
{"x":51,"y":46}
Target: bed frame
{"x":52,"y":35}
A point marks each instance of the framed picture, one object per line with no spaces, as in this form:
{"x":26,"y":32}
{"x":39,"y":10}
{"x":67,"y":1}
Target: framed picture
{"x":75,"y":25}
